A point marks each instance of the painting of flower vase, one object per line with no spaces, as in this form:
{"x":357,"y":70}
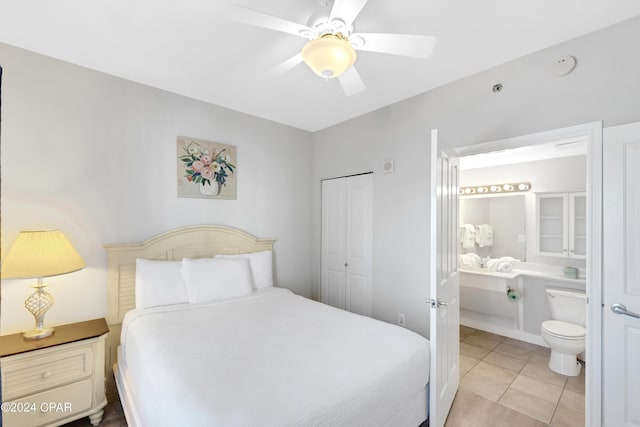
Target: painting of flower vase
{"x":206,"y":169}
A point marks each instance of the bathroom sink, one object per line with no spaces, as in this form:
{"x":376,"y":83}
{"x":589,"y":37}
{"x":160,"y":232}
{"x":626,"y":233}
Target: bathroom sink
{"x":487,"y":272}
{"x":475,"y":269}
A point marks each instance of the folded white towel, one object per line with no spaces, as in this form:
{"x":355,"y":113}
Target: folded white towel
{"x":504,"y":267}
{"x":468,"y":236}
{"x":484,"y":237}
{"x":469,"y":260}
{"x":498,"y":264}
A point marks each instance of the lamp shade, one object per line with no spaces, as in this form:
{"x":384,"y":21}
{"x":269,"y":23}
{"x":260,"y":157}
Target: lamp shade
{"x":329,"y":56}
{"x":40,"y":253}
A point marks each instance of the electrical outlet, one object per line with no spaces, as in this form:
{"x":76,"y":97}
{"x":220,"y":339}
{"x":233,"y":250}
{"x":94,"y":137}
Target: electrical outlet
{"x":522,"y":238}
{"x":401,"y":320}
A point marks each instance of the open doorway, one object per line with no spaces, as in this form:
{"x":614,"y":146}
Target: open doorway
{"x":545,"y":212}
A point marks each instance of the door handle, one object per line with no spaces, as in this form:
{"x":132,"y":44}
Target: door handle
{"x":621,"y":309}
{"x":435,"y":303}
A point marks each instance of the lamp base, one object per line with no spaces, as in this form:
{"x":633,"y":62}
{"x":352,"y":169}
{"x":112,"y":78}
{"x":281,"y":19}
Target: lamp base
{"x":38,"y":333}
{"x":38,"y":303}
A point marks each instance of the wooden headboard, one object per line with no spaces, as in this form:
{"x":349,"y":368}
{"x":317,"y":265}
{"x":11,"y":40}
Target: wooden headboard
{"x":199,"y":241}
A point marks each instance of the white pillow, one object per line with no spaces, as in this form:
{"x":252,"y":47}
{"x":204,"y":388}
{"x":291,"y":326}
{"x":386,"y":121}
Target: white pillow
{"x":159,"y":283}
{"x":261,"y":267}
{"x":209,"y":279}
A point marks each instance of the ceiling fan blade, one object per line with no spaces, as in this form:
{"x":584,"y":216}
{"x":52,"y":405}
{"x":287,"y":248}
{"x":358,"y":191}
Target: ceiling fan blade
{"x":414,"y":45}
{"x":351,"y":82}
{"x":259,"y":19}
{"x":347,"y":10}
{"x":285,"y":66}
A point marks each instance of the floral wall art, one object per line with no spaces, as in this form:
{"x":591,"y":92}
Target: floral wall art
{"x":206,"y":169}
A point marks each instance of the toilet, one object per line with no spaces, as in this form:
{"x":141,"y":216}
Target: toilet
{"x":565,"y":333}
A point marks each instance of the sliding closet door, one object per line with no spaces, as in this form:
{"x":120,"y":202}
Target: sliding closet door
{"x":347,"y":230}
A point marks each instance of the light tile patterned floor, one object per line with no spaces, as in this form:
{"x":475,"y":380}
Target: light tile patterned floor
{"x":507,"y":382}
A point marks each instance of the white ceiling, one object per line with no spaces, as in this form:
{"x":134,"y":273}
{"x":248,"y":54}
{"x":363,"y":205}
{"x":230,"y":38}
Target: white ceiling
{"x":190,"y":47}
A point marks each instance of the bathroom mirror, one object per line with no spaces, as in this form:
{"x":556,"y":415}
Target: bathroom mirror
{"x":506,"y":214}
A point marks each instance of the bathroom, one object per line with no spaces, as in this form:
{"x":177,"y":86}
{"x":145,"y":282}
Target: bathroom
{"x":538,"y":219}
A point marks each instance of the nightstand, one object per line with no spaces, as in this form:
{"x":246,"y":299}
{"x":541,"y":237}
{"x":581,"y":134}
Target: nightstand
{"x":54,"y":380}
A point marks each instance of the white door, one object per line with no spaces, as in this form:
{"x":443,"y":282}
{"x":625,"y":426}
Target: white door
{"x":621,"y":276}
{"x":347,"y":230}
{"x":333,"y":274}
{"x":445,"y":283}
{"x":358,"y":243}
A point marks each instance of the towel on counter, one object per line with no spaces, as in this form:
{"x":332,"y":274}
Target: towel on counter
{"x":503,"y":264}
{"x":468,"y":236}
{"x":484,"y":237}
{"x":470,"y":260}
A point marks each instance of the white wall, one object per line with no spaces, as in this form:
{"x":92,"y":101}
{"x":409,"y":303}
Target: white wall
{"x":564,"y":174}
{"x":604,"y":86}
{"x":400,"y":209}
{"x":94,"y":156}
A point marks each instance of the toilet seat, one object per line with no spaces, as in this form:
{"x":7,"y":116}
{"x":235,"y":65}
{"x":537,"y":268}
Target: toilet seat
{"x":564,"y":330}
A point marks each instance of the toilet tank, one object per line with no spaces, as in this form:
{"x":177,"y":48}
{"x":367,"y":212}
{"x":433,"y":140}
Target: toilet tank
{"x":567,"y":305}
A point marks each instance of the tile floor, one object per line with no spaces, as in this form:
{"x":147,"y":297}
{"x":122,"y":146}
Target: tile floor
{"x":506,"y":382}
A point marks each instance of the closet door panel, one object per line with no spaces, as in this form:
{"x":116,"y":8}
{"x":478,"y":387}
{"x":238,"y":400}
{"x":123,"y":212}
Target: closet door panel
{"x":347,"y":230}
{"x":333,"y":274}
{"x":335,"y":289}
{"x":358,"y":243}
{"x":358,"y":294}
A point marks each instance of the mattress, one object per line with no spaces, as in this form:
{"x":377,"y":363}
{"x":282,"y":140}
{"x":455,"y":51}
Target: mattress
{"x":269,"y":359}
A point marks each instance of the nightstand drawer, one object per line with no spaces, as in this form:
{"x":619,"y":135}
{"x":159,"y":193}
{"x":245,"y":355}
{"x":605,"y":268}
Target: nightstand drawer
{"x":32,"y":372}
{"x":50,"y":406}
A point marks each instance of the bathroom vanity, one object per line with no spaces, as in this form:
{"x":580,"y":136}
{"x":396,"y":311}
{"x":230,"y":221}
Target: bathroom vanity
{"x":484,"y":303}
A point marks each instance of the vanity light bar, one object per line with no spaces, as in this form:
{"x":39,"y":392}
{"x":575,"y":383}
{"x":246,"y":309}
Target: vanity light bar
{"x":477,"y":190}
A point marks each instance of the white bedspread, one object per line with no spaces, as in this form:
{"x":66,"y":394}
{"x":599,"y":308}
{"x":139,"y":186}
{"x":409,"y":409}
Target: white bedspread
{"x":269,"y":359}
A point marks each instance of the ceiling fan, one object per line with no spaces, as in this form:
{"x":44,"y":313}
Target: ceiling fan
{"x":331,"y":49}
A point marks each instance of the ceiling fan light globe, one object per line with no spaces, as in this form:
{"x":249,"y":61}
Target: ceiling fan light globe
{"x":329,"y":56}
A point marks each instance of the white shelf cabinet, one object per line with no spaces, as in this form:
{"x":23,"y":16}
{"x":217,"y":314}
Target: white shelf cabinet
{"x":562,"y":225}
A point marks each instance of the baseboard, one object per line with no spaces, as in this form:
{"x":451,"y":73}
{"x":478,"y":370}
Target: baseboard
{"x":505,"y":332}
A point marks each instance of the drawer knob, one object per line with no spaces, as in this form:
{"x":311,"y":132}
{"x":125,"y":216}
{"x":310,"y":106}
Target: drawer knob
{"x":46,"y":374}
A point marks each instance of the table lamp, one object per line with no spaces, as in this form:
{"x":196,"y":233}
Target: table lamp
{"x":38,"y":254}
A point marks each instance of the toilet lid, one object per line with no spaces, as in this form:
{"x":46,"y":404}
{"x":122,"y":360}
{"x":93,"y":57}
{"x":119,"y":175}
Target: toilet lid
{"x":564,"y":329}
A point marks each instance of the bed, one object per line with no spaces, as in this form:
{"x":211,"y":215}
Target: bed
{"x":264,"y":358}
